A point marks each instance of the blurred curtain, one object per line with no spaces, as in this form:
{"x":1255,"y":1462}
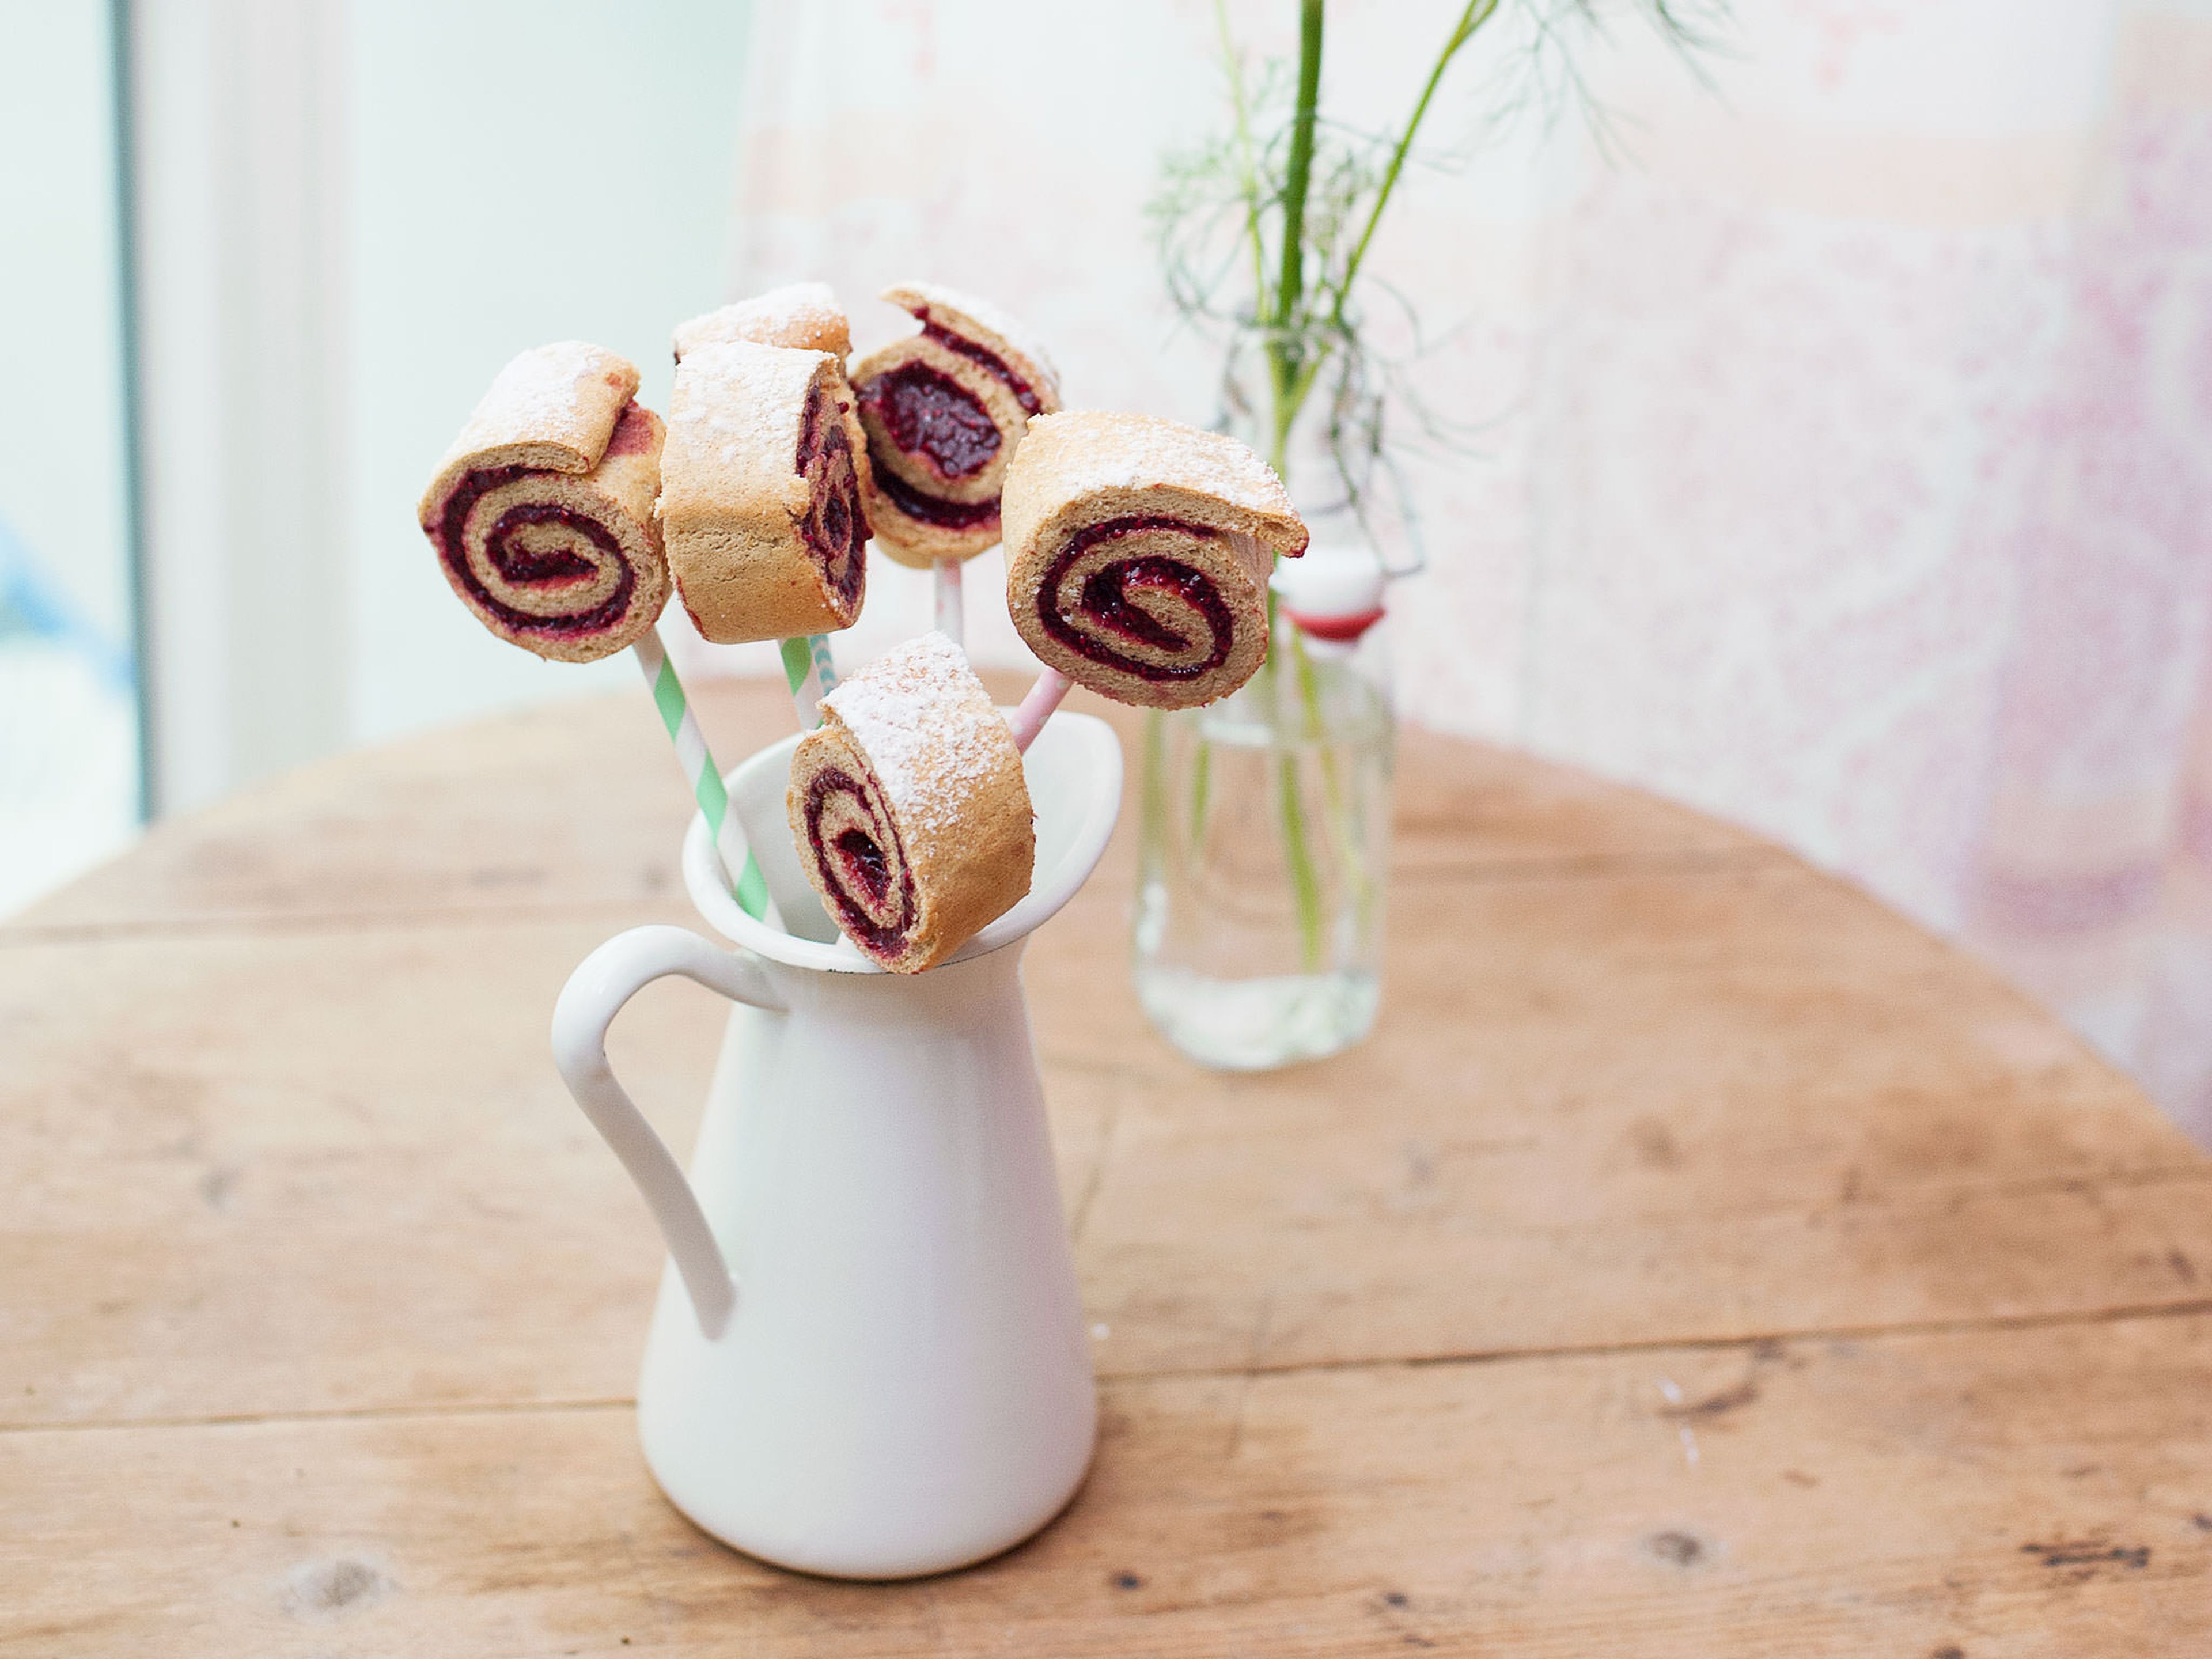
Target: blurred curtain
{"x":1836,"y":443}
{"x":69,"y":714}
{"x":343,"y":233}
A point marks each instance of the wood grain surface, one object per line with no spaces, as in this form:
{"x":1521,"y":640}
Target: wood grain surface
{"x":1698,"y":1261}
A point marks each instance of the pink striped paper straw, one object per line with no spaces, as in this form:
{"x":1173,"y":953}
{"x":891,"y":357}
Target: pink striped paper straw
{"x":1037,"y":707}
{"x":952,"y":613}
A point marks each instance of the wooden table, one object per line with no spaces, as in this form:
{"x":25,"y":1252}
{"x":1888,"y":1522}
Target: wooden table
{"x":1698,"y":1261}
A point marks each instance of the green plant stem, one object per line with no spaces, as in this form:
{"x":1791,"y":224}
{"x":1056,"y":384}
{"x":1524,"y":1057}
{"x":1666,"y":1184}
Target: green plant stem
{"x":1340,"y":810}
{"x":1201,"y":790}
{"x":1478,"y":13}
{"x":1285,"y":357}
{"x":1285,"y":362}
{"x":1309,"y":701}
{"x":1305,"y":322}
{"x":1305,"y":886}
{"x":1155,"y":782}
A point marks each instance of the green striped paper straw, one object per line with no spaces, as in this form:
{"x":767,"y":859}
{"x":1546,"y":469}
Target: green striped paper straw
{"x":750,"y":887}
{"x":811,"y":672}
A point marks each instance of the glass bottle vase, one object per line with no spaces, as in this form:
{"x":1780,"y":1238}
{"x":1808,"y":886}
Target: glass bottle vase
{"x":1263,"y":861}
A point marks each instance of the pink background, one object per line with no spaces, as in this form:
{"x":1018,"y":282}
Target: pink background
{"x":1841,"y":452}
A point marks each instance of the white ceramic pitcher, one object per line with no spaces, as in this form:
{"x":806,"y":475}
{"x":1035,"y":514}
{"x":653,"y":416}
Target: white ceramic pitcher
{"x":869,"y":1358}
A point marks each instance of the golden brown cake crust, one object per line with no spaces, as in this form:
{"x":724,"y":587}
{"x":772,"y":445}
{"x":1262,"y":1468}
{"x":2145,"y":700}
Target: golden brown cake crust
{"x":552,"y":409}
{"x":737,"y":514}
{"x":1088,"y":464}
{"x":913,"y":757}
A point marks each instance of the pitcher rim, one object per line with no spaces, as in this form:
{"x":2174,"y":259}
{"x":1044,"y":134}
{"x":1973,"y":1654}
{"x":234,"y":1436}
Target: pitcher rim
{"x":1048,"y":892}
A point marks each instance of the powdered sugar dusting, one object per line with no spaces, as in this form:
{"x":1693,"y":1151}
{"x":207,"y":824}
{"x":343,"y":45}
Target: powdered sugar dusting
{"x":928,"y":728}
{"x":742,"y":403}
{"x":797,"y":314}
{"x":541,"y":388}
{"x":1095,"y":449}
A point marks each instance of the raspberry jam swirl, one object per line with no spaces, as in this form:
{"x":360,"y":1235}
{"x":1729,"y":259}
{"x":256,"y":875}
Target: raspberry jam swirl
{"x":536,"y":553}
{"x":1118,"y":595}
{"x":920,"y":414}
{"x":981,"y":355}
{"x":851,"y":835}
{"x":835,"y":529}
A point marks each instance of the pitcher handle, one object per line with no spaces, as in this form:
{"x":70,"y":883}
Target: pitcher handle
{"x":603,"y":982}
